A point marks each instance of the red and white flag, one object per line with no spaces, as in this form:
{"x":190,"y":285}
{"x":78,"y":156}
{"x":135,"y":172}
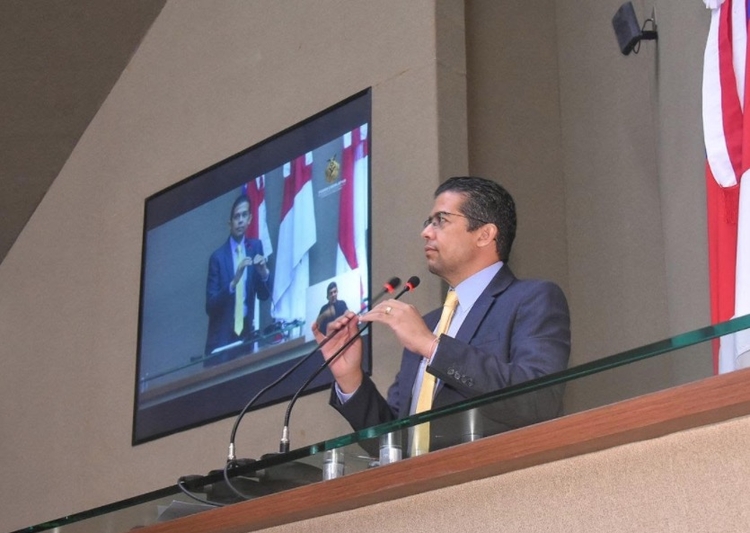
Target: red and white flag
{"x":258,"y":227}
{"x":726,"y":129}
{"x":352,"y":247}
{"x":297,"y":234}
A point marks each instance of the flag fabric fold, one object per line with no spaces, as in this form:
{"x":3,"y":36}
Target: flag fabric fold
{"x":713,"y":4}
{"x":258,"y":228}
{"x":352,"y":239}
{"x":297,"y":235}
{"x":726,"y":130}
{"x":255,"y":190}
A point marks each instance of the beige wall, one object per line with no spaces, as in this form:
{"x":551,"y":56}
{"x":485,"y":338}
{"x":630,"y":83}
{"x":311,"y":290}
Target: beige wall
{"x":602,"y":152}
{"x":514,"y":124}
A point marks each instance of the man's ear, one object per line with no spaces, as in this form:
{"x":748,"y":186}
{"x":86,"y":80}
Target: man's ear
{"x":487,"y":235}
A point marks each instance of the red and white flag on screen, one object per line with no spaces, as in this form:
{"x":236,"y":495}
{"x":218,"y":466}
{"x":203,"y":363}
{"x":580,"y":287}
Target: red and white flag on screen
{"x":352,"y":248}
{"x":297,"y":234}
{"x":258,"y":227}
{"x":726,"y":129}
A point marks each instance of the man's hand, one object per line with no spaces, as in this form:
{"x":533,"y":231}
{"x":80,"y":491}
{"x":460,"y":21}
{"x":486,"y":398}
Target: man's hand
{"x":260,"y":265}
{"x":406,"y":323}
{"x":246,"y":262}
{"x":347,"y":368}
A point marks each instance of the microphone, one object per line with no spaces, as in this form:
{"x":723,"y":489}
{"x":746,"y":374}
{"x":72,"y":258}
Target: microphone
{"x":411,"y":284}
{"x":388,"y":288}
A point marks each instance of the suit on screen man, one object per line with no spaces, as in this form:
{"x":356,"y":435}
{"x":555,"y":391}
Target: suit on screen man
{"x":237,"y":267}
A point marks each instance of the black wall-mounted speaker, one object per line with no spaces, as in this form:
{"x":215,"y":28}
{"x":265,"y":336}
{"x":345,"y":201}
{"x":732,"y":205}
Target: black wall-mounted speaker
{"x":626,"y":27}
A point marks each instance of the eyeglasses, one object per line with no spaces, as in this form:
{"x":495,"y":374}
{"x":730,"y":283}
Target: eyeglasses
{"x":438,"y":219}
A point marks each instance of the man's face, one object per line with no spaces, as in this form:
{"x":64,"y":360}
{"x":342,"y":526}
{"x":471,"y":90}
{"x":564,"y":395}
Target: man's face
{"x":240,"y":220}
{"x":449,"y":247}
{"x":333,"y":294}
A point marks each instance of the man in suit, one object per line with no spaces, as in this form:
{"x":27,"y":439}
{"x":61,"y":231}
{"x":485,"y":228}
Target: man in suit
{"x":237,"y":267}
{"x":504,"y":330}
{"x":332,"y":310}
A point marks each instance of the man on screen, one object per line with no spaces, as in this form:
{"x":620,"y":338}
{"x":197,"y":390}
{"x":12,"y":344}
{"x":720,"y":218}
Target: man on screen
{"x":332,"y":310}
{"x":501,"y":330}
{"x":237,"y":273}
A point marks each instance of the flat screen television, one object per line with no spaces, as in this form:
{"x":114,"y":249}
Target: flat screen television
{"x":299,"y":202}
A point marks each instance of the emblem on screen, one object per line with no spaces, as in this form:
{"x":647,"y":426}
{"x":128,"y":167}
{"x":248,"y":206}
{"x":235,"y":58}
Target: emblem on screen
{"x":332,"y":169}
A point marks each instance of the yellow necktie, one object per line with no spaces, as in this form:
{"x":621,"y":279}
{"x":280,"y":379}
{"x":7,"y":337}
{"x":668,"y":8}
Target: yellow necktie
{"x":239,"y":297}
{"x":421,"y":440}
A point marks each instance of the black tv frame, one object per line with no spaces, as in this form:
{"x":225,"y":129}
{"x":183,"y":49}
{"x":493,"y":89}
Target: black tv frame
{"x":224,"y":394}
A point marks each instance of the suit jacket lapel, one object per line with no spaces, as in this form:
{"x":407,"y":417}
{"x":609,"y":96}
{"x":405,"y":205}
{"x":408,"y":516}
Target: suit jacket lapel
{"x":481,"y":307}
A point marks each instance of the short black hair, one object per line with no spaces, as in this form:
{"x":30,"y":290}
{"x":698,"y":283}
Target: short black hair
{"x":331,"y":285}
{"x":237,"y":201}
{"x":486,"y":202}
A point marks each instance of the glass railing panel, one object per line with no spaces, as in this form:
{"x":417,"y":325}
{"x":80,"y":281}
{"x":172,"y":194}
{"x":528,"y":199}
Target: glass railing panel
{"x":653,"y":367}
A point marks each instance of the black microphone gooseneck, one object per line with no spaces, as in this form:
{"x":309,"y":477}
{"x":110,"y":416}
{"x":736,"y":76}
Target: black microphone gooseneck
{"x":388,"y":288}
{"x":284,"y":443}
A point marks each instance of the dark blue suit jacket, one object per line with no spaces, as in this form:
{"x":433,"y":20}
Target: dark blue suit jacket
{"x":517,"y":330}
{"x":220,"y":301}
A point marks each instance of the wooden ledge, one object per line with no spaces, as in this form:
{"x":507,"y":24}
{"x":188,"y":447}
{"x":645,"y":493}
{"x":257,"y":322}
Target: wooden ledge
{"x":704,"y":402}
